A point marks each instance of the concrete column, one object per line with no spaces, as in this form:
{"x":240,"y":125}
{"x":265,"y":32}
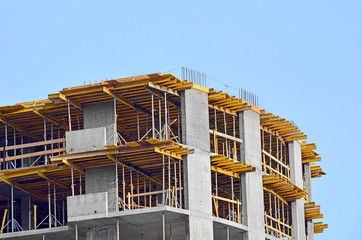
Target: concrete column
{"x":252,"y":183}
{"x":296,"y":176}
{"x":26,"y":213}
{"x":102,"y":179}
{"x":101,"y":115}
{"x":308,"y":184}
{"x":197,"y":167}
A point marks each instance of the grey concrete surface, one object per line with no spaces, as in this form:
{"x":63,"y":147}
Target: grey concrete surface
{"x":195,"y":119}
{"x":296,"y":177}
{"x":252,"y":183}
{"x":101,"y":115}
{"x":85,"y":140}
{"x":197,"y":169}
{"x":101,"y":179}
{"x":308,"y":184}
{"x":87,"y":205}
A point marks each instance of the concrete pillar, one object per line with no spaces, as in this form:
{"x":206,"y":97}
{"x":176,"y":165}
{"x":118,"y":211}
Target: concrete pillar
{"x":308,"y":184}
{"x":101,"y":115}
{"x":102,"y":179}
{"x":108,"y":232}
{"x":197,"y":167}
{"x":296,"y":176}
{"x":252,"y":183}
{"x":26,"y":213}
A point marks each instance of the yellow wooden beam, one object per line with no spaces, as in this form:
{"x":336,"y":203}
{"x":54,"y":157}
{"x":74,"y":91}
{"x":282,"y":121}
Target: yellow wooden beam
{"x":20,"y":129}
{"x":126,"y":101}
{"x":23,"y":189}
{"x":225,"y":172}
{"x":57,"y":182}
{"x":66,"y":99}
{"x":70,"y":164}
{"x":168,"y":153}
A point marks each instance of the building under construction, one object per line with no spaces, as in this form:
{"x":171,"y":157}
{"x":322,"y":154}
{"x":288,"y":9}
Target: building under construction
{"x":154,"y":157}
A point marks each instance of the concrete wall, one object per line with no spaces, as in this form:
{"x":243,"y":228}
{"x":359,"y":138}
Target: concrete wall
{"x":102,"y":179}
{"x":252,"y":183}
{"x":101,"y":115}
{"x":87,"y":204}
{"x":197,"y":167}
{"x":85,"y":140}
{"x":296,"y":177}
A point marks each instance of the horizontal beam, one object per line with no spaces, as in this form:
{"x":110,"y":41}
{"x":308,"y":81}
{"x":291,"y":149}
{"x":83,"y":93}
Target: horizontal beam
{"x":66,"y":99}
{"x":162,"y":88}
{"x":213,"y":131}
{"x":225,"y":172}
{"x":70,"y":164}
{"x":168,"y":153}
{"x":57,"y":182}
{"x":126,"y":101}
{"x":33,"y":154}
{"x":222,"y":109}
{"x":34,"y":144}
{"x":130,"y":165}
{"x":20,"y":129}
{"x":23,"y":189}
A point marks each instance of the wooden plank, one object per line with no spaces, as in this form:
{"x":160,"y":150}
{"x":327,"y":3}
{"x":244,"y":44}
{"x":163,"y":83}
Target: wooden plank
{"x":34,"y":144}
{"x":213,"y":131}
{"x":34,"y":154}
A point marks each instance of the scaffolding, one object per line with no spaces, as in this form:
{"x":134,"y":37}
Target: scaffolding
{"x":147,"y":154}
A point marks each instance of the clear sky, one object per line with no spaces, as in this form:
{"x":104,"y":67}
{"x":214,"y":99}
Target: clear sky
{"x":303,"y":59}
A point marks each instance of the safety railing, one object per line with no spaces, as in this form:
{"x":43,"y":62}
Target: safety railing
{"x":30,"y":154}
{"x":222,"y":143}
{"x":227,"y":208}
{"x":272,"y":165}
{"x":277,"y":228}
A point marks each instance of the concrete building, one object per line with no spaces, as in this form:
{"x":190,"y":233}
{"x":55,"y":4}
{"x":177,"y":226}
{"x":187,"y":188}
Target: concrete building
{"x":153,"y":157}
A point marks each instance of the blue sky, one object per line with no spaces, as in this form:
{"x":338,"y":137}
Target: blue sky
{"x":303,"y":59}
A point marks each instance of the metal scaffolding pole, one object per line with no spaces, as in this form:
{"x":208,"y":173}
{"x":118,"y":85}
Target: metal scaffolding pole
{"x":71,"y":172}
{"x":144,"y":191}
{"x":130,"y":175}
{"x":14,"y":143}
{"x":153,"y":116}
{"x":55,"y":206}
{"x":80,"y":183}
{"x":169,"y":181}
{"x":117,"y":191}
{"x":138,"y":126}
{"x":163,"y":227}
{"x":45,"y":138}
{"x":123,"y":189}
{"x":232,"y":198}
{"x":175,"y":178}
{"x":52,"y":135}
{"x":22,"y":149}
{"x":12,"y":208}
{"x":159,"y":118}
{"x":180,"y":182}
{"x":69,"y":117}
{"x":138,"y":190}
{"x":163,"y":179}
{"x":6,"y":144}
{"x":49,"y":206}
{"x":166,"y":121}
